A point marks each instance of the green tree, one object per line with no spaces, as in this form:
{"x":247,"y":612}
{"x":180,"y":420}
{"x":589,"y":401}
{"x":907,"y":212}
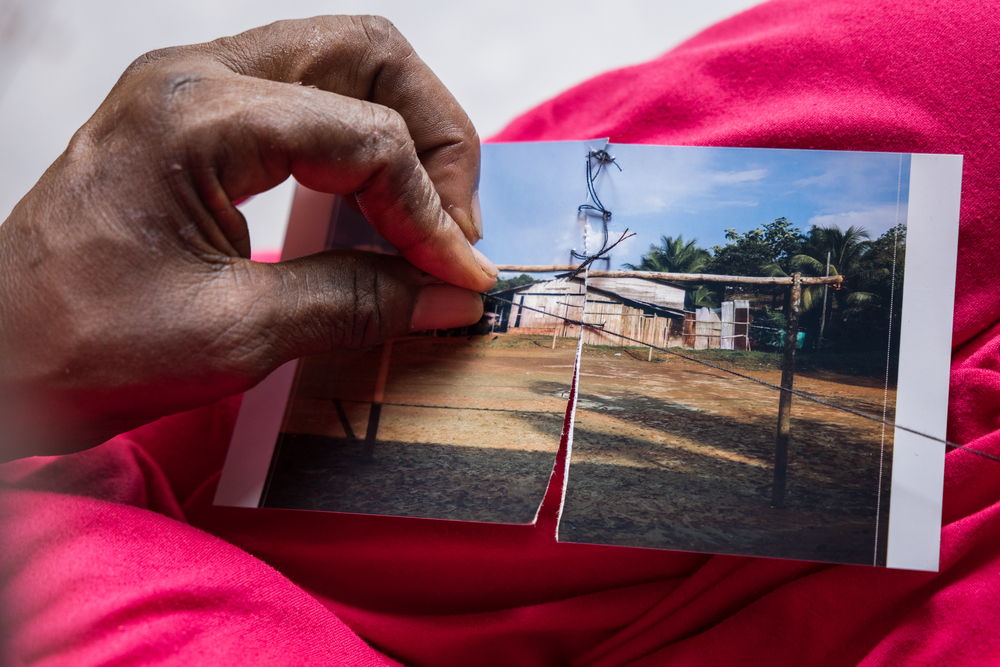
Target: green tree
{"x":700,"y":296}
{"x":507,"y":283}
{"x":874,"y":299}
{"x":673,"y":255}
{"x":846,"y":248}
{"x":759,"y":251}
{"x":881,"y":268}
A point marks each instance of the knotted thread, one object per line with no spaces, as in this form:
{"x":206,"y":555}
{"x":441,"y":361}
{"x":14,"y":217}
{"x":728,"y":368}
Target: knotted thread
{"x":601,"y":158}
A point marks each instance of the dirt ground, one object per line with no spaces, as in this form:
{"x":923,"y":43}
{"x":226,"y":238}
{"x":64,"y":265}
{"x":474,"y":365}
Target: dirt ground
{"x":666,"y":454}
{"x":681,"y":457}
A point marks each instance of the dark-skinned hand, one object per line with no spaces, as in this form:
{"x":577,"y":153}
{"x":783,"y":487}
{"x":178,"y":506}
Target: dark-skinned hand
{"x":126,"y":289}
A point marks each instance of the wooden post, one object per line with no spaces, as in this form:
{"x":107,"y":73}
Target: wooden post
{"x":375,"y":414}
{"x":652,"y":334}
{"x":676,"y":277}
{"x":783,"y":435}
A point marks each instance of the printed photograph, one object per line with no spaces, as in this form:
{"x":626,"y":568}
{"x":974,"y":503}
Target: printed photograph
{"x":736,"y":319}
{"x":750,"y":273}
{"x":461,"y":424}
{"x":739,"y":311}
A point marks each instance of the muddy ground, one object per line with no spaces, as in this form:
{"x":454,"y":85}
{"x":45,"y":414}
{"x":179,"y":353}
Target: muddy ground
{"x":667,"y":454}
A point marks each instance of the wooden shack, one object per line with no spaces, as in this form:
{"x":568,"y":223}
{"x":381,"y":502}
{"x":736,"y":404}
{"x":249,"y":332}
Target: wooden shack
{"x":624,"y":310}
{"x":642,"y":309}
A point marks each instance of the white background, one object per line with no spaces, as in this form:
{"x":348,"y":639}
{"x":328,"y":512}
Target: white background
{"x":59,"y":58}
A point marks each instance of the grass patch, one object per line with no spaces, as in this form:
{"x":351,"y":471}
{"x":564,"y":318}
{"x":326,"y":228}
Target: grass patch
{"x":862,"y":362}
{"x":870,"y":363}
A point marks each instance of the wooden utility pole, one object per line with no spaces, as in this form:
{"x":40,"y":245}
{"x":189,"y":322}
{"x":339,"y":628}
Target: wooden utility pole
{"x":782,"y":437}
{"x":689,"y":331}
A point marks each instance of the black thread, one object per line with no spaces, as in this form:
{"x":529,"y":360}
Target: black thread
{"x":600,"y":254}
{"x":794,"y":392}
{"x":596,"y":207}
{"x":602,"y":158}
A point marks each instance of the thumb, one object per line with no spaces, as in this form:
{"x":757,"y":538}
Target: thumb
{"x":354,"y":299}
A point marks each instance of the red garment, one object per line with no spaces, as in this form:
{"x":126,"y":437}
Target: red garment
{"x":117,"y":553}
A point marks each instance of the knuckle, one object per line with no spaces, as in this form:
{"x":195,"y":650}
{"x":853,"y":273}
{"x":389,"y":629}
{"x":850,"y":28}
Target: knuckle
{"x":163,"y":91}
{"x":171,"y":100}
{"x":154,"y":57}
{"x":388,"y":132}
{"x":156,"y":97}
{"x":379,"y":30}
{"x":187,"y":105}
{"x":237,"y":52}
{"x":176,"y":85}
{"x":394,"y":126}
{"x":382,"y":44}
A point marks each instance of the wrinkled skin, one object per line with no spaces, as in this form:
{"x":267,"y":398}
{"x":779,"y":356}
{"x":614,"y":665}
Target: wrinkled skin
{"x":126,"y":292}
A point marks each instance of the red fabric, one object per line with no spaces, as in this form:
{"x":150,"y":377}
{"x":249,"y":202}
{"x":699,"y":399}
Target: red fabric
{"x":117,"y":553}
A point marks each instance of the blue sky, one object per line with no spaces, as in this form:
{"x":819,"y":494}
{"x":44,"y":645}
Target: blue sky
{"x":530,"y":193}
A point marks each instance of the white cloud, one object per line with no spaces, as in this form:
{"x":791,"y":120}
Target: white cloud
{"x":681,"y":187}
{"x":827,"y":179}
{"x":743,"y":176}
{"x":653,"y":203}
{"x":874,"y":219}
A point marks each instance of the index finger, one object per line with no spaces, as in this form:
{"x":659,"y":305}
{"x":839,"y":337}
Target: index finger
{"x":365,"y":57}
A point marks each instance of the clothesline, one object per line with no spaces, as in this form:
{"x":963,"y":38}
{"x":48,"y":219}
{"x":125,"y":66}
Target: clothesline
{"x":770,"y":385}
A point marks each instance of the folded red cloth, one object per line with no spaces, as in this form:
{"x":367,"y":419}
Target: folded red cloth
{"x":117,"y":553}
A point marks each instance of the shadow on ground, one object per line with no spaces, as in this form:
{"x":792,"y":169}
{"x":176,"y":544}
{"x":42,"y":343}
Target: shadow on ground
{"x":407,"y":479}
{"x":650,"y":472}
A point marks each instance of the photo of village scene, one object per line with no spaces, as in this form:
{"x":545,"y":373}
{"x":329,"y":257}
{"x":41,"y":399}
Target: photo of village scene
{"x":673,"y":451}
{"x":459,"y":425}
{"x":785,"y":267}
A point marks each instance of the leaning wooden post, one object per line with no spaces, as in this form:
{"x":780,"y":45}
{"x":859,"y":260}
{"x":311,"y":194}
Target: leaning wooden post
{"x":652,"y":335}
{"x":378,"y":396}
{"x":783,"y":435}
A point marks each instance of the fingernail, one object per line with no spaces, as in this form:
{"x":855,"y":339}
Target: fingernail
{"x":477,"y":216}
{"x":444,"y":307}
{"x":488,"y":267}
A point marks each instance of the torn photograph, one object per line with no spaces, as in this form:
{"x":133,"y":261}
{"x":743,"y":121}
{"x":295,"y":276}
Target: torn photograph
{"x":739,"y":378}
{"x":461,"y":424}
{"x":761,"y":370}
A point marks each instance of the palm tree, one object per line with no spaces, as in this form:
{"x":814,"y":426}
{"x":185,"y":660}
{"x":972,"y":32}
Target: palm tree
{"x":673,"y":255}
{"x":702,"y":296}
{"x":847,"y":249}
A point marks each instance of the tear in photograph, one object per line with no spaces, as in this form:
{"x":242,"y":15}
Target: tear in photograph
{"x":762,"y":370}
{"x":462,"y":424}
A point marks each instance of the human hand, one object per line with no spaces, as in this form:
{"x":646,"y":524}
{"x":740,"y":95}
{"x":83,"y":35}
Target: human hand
{"x":125,"y":285}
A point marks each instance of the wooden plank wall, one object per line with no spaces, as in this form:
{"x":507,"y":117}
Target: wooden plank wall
{"x":631,"y":322}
